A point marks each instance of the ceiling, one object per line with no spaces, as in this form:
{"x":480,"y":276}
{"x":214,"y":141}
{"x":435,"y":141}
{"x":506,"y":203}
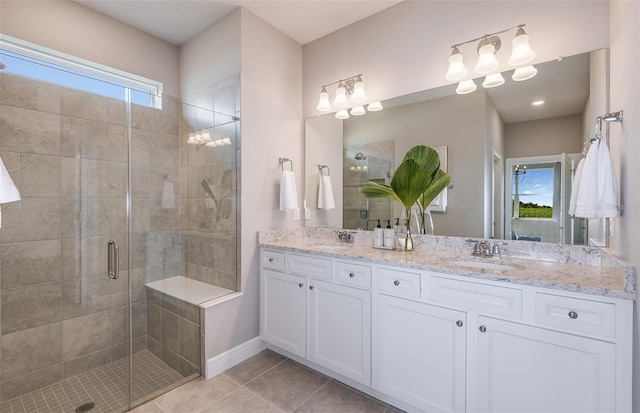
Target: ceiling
{"x":177,"y":21}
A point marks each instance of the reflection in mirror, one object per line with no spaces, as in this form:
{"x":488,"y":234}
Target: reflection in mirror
{"x":484,"y":132}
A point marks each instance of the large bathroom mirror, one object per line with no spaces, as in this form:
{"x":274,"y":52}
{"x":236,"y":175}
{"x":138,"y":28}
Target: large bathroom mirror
{"x":487,"y":138}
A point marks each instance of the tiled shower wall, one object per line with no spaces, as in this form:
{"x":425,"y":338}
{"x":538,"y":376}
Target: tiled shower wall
{"x":208,"y":221}
{"x":66,"y":151}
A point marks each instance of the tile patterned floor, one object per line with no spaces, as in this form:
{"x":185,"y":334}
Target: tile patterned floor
{"x":265,"y":383}
{"x":105,"y":386}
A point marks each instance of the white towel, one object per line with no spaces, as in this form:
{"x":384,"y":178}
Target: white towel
{"x":587,"y":198}
{"x":574,"y":187}
{"x":288,"y":191}
{"x":167,"y":196}
{"x":607,"y":186}
{"x":8,"y":190}
{"x":598,"y":192}
{"x":325,"y":193}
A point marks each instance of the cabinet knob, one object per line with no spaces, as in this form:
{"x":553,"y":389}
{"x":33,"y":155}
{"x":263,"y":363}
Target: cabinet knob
{"x":311,"y":287}
{"x":396,"y":283}
{"x":300,"y":285}
{"x":459,"y":323}
{"x":482,"y":329}
{"x":573,"y":315}
{"x":270,"y":259}
{"x":351,"y":275}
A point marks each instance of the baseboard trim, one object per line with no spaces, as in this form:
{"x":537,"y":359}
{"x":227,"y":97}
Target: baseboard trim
{"x":236,"y":355}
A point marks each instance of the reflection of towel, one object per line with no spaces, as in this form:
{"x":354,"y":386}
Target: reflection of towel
{"x":8,"y":190}
{"x":288,"y":191}
{"x":598,"y":193}
{"x":607,"y":187}
{"x":574,"y":187}
{"x":167,"y":196}
{"x":325,"y":194}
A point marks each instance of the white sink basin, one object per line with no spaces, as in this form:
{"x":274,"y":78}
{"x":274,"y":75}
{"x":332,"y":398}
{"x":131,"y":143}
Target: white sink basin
{"x":482,"y":265}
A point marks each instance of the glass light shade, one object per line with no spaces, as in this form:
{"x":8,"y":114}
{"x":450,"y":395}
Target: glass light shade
{"x":226,"y":141}
{"x":199,"y":140}
{"x":323,"y":102}
{"x":340,"y":101}
{"x":358,"y":110}
{"x":521,"y":52}
{"x":466,"y":86}
{"x":211,"y":144}
{"x":524,"y":73}
{"x":206,"y":137}
{"x":358,"y":95}
{"x":456,"y":71}
{"x":493,"y":80}
{"x":192,"y":138}
{"x":374,"y":106}
{"x":487,"y":61}
{"x":342,"y":114}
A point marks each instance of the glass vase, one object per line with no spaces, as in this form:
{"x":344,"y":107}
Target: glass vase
{"x":426,"y":222}
{"x":407,"y":226}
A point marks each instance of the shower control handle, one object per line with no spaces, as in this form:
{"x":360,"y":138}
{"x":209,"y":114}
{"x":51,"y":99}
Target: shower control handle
{"x":113,"y":259}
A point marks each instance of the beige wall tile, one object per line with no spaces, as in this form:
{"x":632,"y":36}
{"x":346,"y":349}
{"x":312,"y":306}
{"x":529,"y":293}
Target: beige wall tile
{"x":31,"y":350}
{"x":31,"y":219}
{"x":39,"y":176}
{"x":31,"y":306}
{"x":30,"y":94}
{"x":82,"y":105}
{"x":28,"y":131}
{"x":26,"y":263}
{"x":84,"y":335}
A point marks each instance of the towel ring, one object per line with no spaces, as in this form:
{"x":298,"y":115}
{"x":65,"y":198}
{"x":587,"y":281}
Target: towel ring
{"x":321,"y":167}
{"x":283,"y":160}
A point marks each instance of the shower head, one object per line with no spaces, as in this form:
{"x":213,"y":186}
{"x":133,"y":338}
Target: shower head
{"x":360,"y":156}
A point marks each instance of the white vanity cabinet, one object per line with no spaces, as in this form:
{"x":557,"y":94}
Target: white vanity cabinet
{"x":304,"y":311}
{"x":421,"y":354}
{"x":427,"y":341}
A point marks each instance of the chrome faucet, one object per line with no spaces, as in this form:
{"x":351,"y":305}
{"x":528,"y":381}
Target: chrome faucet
{"x":483,"y":249}
{"x":346,"y":236}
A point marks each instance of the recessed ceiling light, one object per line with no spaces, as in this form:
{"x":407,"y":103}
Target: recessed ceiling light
{"x":538,"y":103}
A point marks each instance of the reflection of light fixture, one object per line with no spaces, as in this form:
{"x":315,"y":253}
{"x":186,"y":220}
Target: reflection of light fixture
{"x":487,"y":62}
{"x":342,"y":114}
{"x":518,"y":173}
{"x":466,"y":86}
{"x":524,"y":73}
{"x":349,"y":91}
{"x":357,"y":111}
{"x":537,"y":102}
{"x":374,"y":106}
{"x":493,"y":80}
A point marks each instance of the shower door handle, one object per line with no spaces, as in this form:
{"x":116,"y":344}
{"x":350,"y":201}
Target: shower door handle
{"x":113,"y":259}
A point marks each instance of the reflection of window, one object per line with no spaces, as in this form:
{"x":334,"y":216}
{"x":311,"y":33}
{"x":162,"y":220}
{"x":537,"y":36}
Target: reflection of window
{"x":35,"y":62}
{"x":533,"y":193}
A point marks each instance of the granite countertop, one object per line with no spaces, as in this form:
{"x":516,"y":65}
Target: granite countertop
{"x":610,"y":279}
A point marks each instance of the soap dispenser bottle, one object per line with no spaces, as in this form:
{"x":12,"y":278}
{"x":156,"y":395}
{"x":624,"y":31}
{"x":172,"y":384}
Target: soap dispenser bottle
{"x":388,"y":236}
{"x":378,"y":236}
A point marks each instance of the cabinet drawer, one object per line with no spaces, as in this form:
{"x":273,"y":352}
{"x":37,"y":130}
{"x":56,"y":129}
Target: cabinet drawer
{"x":401,"y":283}
{"x":488,"y":299}
{"x":356,"y":275}
{"x":584,"y":316}
{"x":272,"y":260}
{"x":309,"y":266}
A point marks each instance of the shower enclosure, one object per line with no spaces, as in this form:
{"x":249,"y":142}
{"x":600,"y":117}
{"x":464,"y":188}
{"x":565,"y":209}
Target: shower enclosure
{"x":86,"y":326}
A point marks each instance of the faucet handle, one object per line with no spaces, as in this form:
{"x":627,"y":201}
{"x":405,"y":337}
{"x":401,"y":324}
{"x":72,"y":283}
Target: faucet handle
{"x":496,"y":249}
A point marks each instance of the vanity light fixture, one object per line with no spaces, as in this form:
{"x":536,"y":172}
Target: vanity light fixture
{"x":487,"y":63}
{"x":466,"y":86}
{"x":374,"y":106}
{"x":350,"y":91}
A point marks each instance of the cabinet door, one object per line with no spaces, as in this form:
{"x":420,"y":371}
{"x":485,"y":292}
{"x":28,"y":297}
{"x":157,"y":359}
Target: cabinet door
{"x":283,"y":311}
{"x":421,"y":354}
{"x":340,"y":329}
{"x":530,"y":369}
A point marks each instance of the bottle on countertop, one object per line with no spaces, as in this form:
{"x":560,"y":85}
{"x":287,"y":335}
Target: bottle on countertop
{"x":388,"y":236}
{"x":378,"y":236}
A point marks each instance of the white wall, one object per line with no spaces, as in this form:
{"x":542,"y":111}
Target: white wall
{"x":550,"y":137}
{"x":76,"y":30}
{"x":625,"y":146}
{"x":405,"y":48}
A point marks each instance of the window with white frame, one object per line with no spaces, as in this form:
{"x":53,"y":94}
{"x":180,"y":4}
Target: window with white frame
{"x":36,"y":62}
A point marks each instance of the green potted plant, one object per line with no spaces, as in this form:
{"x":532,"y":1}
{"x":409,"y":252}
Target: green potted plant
{"x":418,"y":179}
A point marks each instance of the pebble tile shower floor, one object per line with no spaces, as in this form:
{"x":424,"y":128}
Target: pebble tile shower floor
{"x":105,"y":386}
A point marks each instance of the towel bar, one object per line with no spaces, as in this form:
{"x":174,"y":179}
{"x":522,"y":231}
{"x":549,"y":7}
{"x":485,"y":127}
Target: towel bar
{"x":321,"y":167}
{"x":283,"y":160}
